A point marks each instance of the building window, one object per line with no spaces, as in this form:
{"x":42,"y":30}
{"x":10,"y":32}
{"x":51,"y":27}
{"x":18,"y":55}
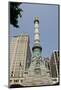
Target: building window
{"x":25,"y":72}
{"x":20,"y":63}
{"x":10,"y":80}
{"x":16,"y":80}
{"x":21,"y":80}
{"x":12,"y":74}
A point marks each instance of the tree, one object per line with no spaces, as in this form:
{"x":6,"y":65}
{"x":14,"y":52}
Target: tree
{"x":15,"y":11}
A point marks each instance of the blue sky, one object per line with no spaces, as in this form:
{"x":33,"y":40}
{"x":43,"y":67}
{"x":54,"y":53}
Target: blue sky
{"x":48,"y":26}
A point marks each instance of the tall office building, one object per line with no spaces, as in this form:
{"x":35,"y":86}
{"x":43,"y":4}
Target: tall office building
{"x":54,"y":64}
{"x":20,"y":58}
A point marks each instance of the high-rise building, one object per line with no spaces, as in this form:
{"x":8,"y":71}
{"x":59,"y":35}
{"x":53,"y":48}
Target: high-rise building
{"x":20,"y":58}
{"x":54,"y":64}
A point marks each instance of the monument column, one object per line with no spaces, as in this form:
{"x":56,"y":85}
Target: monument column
{"x":36,"y":47}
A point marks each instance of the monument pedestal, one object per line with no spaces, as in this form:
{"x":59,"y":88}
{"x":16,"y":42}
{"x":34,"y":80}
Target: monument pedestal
{"x":37,"y":74}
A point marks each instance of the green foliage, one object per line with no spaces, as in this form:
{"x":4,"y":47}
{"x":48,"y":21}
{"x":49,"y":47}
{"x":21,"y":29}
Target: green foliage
{"x":15,"y":11}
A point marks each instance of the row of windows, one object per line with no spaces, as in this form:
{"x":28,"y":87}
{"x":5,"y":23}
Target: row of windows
{"x":16,"y":80}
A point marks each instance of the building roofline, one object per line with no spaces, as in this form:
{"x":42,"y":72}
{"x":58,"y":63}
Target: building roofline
{"x":23,"y":34}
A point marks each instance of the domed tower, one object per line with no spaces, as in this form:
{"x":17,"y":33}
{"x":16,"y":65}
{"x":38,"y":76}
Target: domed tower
{"x":36,"y":47}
